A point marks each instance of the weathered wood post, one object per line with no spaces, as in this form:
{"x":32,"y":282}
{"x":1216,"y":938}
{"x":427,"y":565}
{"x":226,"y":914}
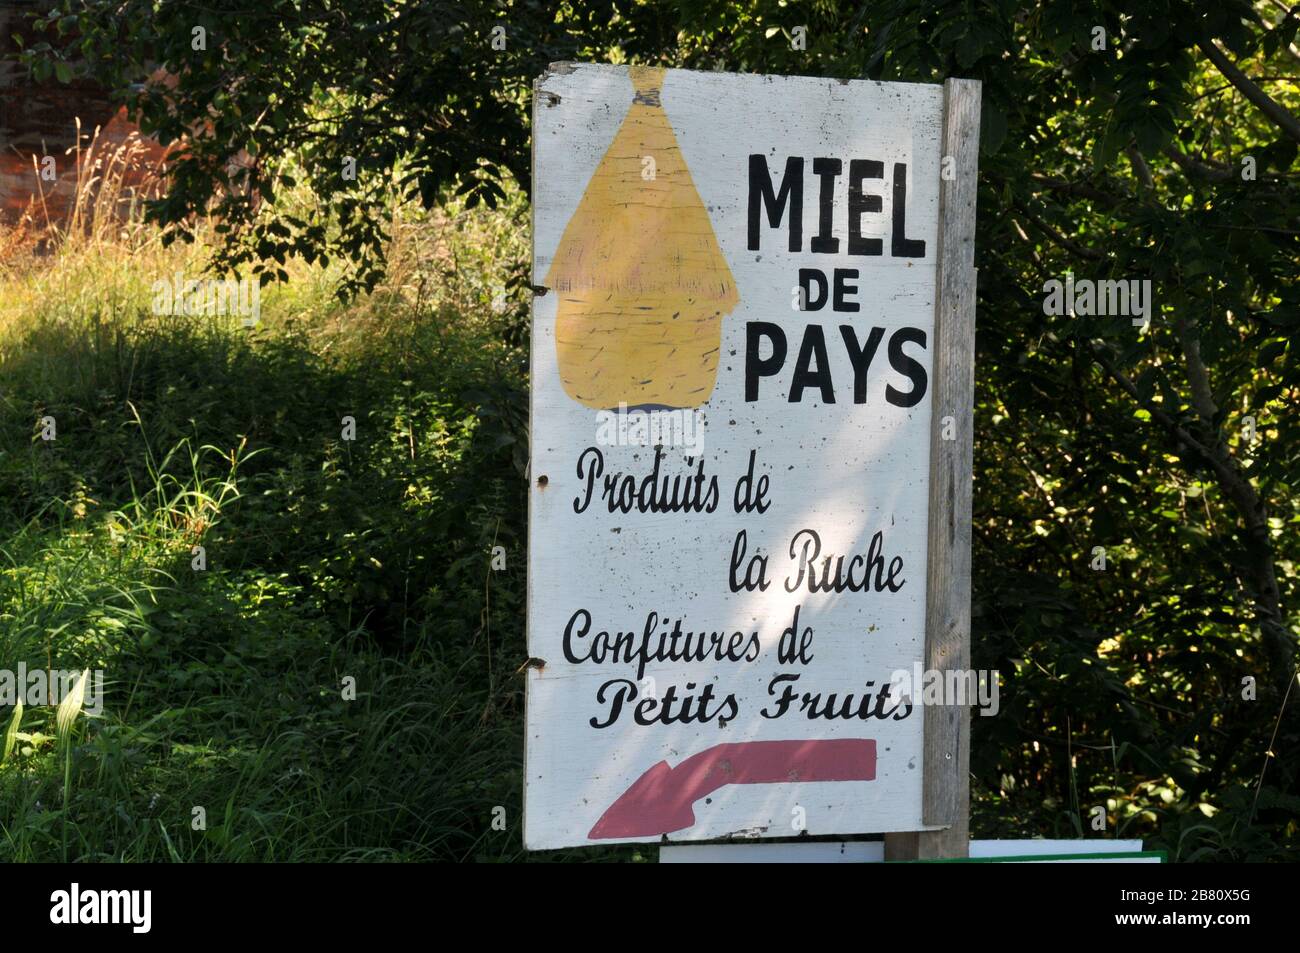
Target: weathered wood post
{"x":946,"y":754}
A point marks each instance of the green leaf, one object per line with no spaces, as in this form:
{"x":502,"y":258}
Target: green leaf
{"x":70,"y":706}
{"x":11,"y":733}
{"x":993,"y":127}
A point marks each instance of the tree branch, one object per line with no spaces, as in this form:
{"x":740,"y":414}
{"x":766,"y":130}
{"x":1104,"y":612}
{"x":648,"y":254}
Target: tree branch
{"x":1080,"y":189}
{"x":1057,"y":238}
{"x":1279,"y":644}
{"x":1197,"y":169}
{"x":1265,"y":103}
{"x":1197,"y":376}
{"x":1286,"y":15}
{"x":1140,"y":167}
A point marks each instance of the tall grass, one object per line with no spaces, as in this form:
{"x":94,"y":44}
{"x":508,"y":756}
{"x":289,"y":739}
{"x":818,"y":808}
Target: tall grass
{"x":334,"y":683}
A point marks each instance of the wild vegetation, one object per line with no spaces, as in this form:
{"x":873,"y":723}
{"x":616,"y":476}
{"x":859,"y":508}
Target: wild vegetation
{"x":1159,"y":684}
{"x":326,"y":559}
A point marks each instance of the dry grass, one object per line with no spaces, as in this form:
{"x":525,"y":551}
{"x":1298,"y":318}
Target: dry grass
{"x":110,"y":182}
{"x":95,"y":265}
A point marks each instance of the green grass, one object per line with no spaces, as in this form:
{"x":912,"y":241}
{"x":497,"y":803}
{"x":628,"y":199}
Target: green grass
{"x":333,"y":567}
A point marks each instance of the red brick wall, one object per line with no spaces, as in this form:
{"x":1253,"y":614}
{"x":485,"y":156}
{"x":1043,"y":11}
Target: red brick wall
{"x":39,"y":119}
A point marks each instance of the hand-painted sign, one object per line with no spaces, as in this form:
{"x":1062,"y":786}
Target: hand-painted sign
{"x":731,"y":440}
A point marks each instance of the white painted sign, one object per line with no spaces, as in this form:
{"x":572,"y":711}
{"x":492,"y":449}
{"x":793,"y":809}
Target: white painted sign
{"x":731,"y":381}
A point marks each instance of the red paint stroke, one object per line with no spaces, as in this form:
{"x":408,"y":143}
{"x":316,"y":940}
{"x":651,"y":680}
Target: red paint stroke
{"x":660,"y":801}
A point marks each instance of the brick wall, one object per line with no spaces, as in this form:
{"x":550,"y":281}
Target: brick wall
{"x":39,"y":119}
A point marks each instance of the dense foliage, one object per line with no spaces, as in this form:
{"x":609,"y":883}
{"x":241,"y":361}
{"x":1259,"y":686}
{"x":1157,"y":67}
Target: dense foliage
{"x":339,"y":680}
{"x":1145,"y":141}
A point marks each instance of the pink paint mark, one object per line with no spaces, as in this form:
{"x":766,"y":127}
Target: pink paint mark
{"x":660,"y":801}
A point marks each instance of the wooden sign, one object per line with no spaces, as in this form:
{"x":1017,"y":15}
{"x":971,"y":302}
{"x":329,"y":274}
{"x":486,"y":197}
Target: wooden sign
{"x":750,"y":460}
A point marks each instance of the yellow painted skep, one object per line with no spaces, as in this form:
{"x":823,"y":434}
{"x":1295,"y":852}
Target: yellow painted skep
{"x":641,"y":282}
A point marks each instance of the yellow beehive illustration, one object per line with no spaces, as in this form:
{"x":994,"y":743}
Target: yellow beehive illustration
{"x":641,"y":283}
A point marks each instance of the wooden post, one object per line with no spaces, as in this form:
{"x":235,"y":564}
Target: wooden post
{"x":946,"y":753}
